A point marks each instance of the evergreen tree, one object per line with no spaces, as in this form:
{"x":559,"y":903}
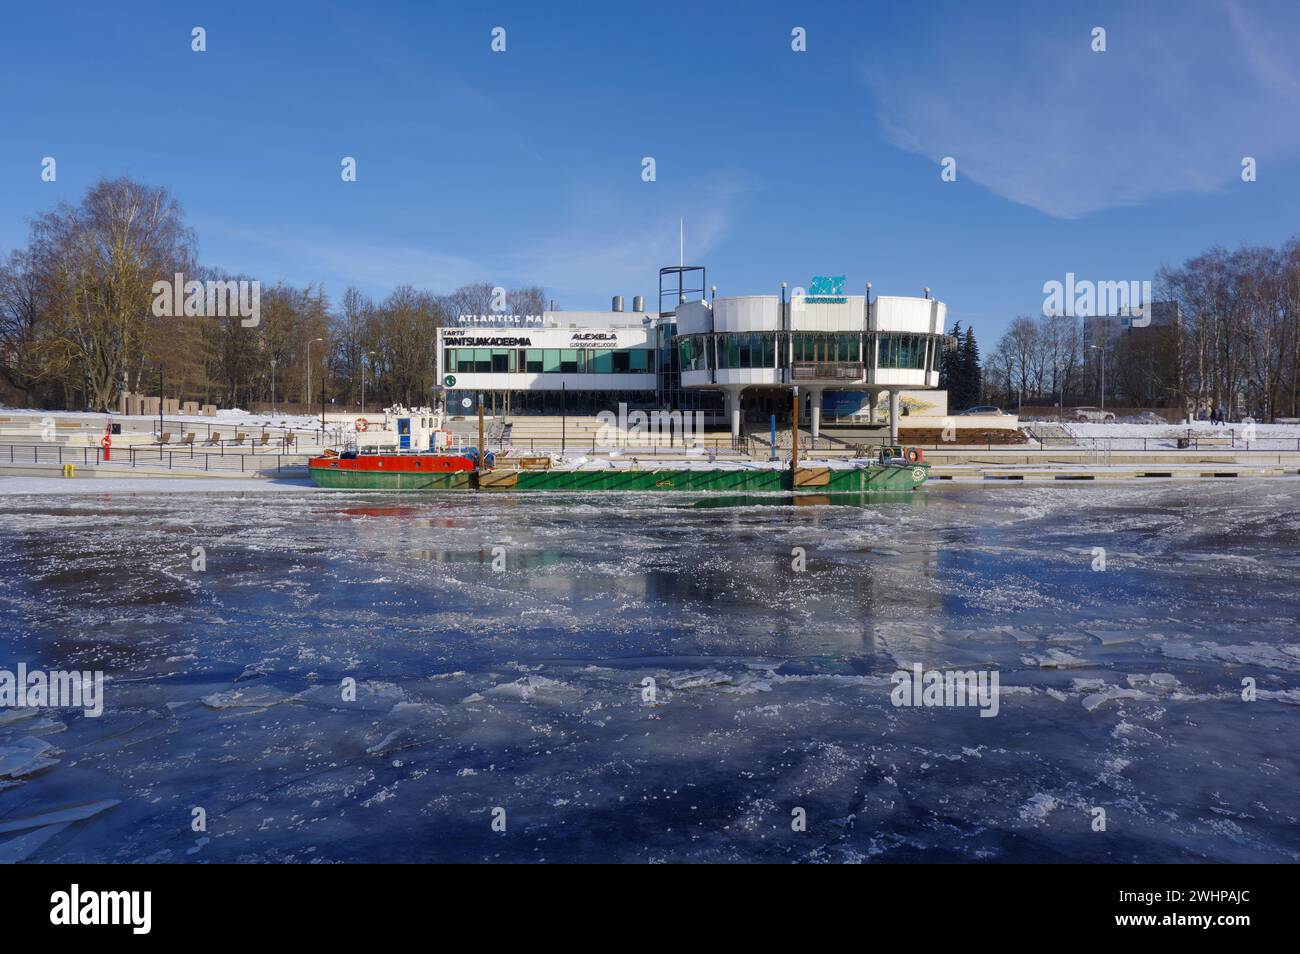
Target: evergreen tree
{"x":949,"y":372}
{"x":970,"y":375}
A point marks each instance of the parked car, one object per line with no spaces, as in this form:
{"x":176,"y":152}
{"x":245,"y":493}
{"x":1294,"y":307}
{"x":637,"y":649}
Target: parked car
{"x":981,"y":409}
{"x":1090,"y":415}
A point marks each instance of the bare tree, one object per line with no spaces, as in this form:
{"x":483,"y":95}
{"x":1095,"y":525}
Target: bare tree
{"x":22,"y":305}
{"x":98,"y":262}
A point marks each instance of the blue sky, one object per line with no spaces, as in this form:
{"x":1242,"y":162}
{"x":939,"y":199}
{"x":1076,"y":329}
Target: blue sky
{"x":524,"y":167}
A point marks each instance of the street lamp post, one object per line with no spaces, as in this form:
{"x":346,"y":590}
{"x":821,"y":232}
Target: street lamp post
{"x":272,"y":387}
{"x":785,"y":326}
{"x":862,"y":355}
{"x":310,"y":342}
{"x":363,"y":383}
{"x":1103,"y":373}
{"x":1059,"y":389}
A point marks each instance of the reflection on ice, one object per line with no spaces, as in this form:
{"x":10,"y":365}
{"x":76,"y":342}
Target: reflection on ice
{"x":365,"y":678}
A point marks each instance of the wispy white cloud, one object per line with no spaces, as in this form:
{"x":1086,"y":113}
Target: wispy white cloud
{"x":1030,"y":112}
{"x":606,"y":243}
{"x":371,"y":263}
{"x":619,"y":246}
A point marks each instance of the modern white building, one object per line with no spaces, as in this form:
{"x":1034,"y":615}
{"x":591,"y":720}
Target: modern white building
{"x":762,"y":347}
{"x":748,"y":352}
{"x":575,"y":361}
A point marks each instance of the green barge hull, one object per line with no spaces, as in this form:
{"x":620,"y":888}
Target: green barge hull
{"x":817,"y":480}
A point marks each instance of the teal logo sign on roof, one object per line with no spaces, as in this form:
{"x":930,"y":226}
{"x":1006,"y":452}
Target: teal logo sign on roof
{"x":827,"y":290}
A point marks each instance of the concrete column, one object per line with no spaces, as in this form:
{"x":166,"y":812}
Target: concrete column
{"x":815,"y":410}
{"x":733,"y":411}
{"x":873,"y":401}
{"x":893,"y":417}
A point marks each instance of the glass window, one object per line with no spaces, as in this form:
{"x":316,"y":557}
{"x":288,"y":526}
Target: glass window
{"x":604,"y":362}
{"x":568,"y":360}
{"x":686,"y":354}
{"x":533,"y":360}
{"x":500,"y":361}
{"x":551,"y":363}
{"x":622,"y":361}
{"x":902,"y":351}
{"x":483,"y":360}
{"x":449,"y":359}
{"x":639,"y":361}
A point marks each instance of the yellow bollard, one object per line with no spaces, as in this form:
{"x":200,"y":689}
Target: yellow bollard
{"x":69,"y":470}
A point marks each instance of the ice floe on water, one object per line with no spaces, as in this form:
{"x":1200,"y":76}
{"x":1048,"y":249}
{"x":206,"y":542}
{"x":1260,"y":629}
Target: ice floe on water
{"x":649,"y":680}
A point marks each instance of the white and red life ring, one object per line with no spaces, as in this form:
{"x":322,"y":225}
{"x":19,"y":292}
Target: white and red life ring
{"x":362,"y":424}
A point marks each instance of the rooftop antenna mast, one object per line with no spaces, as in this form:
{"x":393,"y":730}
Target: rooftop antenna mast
{"x":667,"y":374}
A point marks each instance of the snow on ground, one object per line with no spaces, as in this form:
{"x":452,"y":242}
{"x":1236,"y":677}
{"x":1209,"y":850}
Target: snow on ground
{"x":1156,"y":437}
{"x":57,"y":486}
{"x":1197,"y":429}
{"x":224,"y":415}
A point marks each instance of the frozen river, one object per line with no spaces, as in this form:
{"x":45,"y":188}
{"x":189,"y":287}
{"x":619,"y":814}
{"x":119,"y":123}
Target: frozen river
{"x":650,"y":678}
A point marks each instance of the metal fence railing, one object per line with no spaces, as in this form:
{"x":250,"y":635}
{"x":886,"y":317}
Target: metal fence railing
{"x":1187,"y":441}
{"x":204,"y":431}
{"x":168,"y":458}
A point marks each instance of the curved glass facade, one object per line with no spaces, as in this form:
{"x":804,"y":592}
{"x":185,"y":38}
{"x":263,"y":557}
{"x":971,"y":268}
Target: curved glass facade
{"x":901,"y":351}
{"x":775,"y":349}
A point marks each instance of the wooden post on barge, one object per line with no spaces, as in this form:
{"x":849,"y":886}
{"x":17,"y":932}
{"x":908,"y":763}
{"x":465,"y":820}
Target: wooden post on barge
{"x":794,"y":435}
{"x":480,"y":432}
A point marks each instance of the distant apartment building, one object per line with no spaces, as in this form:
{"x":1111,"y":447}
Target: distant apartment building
{"x":1104,"y":329}
{"x":1142,"y":353}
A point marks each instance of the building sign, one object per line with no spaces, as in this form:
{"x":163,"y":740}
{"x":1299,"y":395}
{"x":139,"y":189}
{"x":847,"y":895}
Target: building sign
{"x":449,"y":380}
{"x":826,"y":290}
{"x":578,"y":339}
{"x":459,"y":339}
{"x":594,"y":339}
